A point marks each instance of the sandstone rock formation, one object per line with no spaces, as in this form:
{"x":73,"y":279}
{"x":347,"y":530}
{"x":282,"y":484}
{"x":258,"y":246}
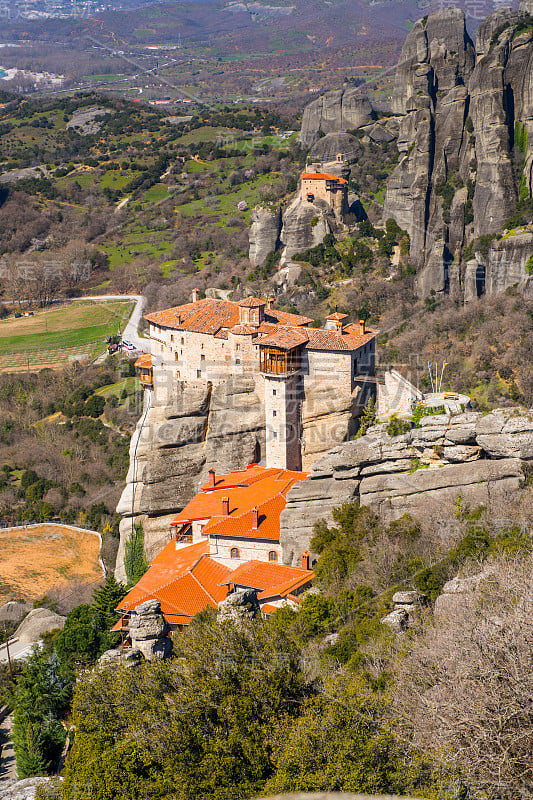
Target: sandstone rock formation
{"x":421,"y":472}
{"x":304,"y":226}
{"x":407,"y":608}
{"x":239,"y":605}
{"x":37,"y":622}
{"x":148,"y":630}
{"x":326,"y":150}
{"x":455,"y":179}
{"x":14,"y":611}
{"x":174,"y":446}
{"x":26,"y":789}
{"x":335,"y":112}
{"x":264,"y":234}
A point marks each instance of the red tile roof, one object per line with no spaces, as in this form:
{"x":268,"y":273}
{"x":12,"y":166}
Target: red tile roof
{"x":337,"y":316}
{"x":349,"y":338}
{"x":270,"y":579}
{"x":144,"y":361}
{"x":285,"y":338}
{"x":185,"y":581}
{"x":210,"y":316}
{"x":322,"y":176}
{"x":251,"y":302}
{"x":245,"y":330}
{"x":257,"y":487}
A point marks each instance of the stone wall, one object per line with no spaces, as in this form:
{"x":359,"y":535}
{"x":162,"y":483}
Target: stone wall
{"x":422,"y":472}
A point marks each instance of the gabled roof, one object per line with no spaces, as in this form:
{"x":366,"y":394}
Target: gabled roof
{"x":350,"y":338}
{"x":322,"y":176}
{"x":144,"y":361}
{"x":185,"y":581}
{"x":210,"y":316}
{"x":261,"y":488}
{"x":285,"y":338}
{"x":270,"y":579}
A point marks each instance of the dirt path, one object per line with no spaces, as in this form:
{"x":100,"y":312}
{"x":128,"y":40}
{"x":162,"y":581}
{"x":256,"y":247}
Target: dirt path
{"x":8,"y":766}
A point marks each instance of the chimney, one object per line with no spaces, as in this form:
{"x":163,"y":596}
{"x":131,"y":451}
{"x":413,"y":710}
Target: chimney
{"x":270,"y":303}
{"x":362,"y":327}
{"x":305,"y":559}
{"x":225,"y":506}
{"x":255,"y":518}
{"x":212,"y":478}
{"x":195,"y":295}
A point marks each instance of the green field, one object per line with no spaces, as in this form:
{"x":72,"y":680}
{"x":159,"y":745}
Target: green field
{"x":55,"y":337}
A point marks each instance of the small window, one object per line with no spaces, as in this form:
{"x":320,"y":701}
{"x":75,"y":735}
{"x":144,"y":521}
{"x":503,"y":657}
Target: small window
{"x":162,"y":348}
{"x":198,"y":373}
{"x":237,"y":360}
{"x":274,"y":392}
{"x":182,"y":340}
{"x":202,"y":347}
{"x":175,"y":356}
{"x":274,"y":434}
{"x":274,"y":413}
{"x":202,"y":357}
{"x":235,"y":552}
{"x":272,"y":556}
{"x":237,"y":347}
{"x":171,"y":337}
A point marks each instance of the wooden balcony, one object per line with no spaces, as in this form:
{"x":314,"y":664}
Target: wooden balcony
{"x":146,"y":378}
{"x":279,"y":362}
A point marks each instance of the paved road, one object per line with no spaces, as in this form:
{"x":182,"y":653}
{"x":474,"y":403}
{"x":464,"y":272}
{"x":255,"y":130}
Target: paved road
{"x":8,"y":766}
{"x":17,"y":650}
{"x":131,"y":331}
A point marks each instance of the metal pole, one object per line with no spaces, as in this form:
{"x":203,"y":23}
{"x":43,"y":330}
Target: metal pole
{"x":8,"y":654}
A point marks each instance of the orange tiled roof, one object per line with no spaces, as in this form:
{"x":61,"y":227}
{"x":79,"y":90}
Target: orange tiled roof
{"x":285,"y":338}
{"x":349,"y":338}
{"x":245,"y":330}
{"x":337,"y":316}
{"x":270,"y":579}
{"x":256,"y":487}
{"x":251,"y":302}
{"x":210,"y":316}
{"x":185,"y":581}
{"x":322,"y":176}
{"x":144,"y":361}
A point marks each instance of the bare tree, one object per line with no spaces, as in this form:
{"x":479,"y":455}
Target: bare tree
{"x":465,"y":691}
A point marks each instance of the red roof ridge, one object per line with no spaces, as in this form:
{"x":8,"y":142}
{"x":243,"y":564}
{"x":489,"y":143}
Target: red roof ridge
{"x":322,"y":176}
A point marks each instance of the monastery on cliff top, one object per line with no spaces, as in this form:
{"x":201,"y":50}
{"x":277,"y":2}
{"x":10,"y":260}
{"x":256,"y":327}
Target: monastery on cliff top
{"x":207,"y":341}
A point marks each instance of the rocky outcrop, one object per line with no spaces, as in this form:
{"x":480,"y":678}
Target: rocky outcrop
{"x":335,"y":112}
{"x":430,"y":94}
{"x":506,"y":262}
{"x":239,"y":605}
{"x":455,"y":179}
{"x":14,"y":611}
{"x":304,"y":226}
{"x":326,"y":150}
{"x":408,"y":606}
{"x":38,"y":622}
{"x":26,"y":789}
{"x":149,"y":631}
{"x":264,"y":234}
{"x":421,"y":472}
{"x":175,"y":443}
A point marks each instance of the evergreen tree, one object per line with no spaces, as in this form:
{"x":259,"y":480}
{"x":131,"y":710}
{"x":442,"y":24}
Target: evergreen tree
{"x":107,"y":598}
{"x":135,"y":562}
{"x":41,"y":698}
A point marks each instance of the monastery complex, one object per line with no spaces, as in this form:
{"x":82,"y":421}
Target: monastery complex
{"x":207,"y":341}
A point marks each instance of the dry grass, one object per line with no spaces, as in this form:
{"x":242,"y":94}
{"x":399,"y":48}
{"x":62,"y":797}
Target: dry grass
{"x":36,"y":560}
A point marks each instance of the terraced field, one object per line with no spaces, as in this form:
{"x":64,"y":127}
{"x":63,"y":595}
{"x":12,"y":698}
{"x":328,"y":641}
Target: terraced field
{"x":53,"y":338}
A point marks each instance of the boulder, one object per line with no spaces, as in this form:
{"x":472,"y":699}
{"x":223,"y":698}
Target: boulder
{"x":334,"y":112}
{"x":121,"y":656}
{"x":26,"y":789}
{"x":239,"y":605}
{"x":14,"y":611}
{"x":38,"y":622}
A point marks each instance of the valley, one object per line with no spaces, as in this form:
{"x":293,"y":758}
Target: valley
{"x":281,"y":541}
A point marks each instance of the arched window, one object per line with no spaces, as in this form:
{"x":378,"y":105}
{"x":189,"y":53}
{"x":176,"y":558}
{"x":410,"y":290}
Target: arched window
{"x":235,"y":552}
{"x":272,"y":556}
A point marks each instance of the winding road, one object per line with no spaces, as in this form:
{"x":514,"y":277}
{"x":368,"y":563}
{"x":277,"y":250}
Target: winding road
{"x":131,"y":331}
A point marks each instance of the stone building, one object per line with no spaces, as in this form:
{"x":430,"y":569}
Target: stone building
{"x":208,"y":342}
{"x":328,"y":188}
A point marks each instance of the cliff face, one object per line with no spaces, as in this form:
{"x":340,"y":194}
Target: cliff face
{"x":455,"y":179}
{"x":264,"y":234}
{"x":175,"y":445}
{"x":335,"y":111}
{"x":198,"y":428}
{"x":423,"y":472}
